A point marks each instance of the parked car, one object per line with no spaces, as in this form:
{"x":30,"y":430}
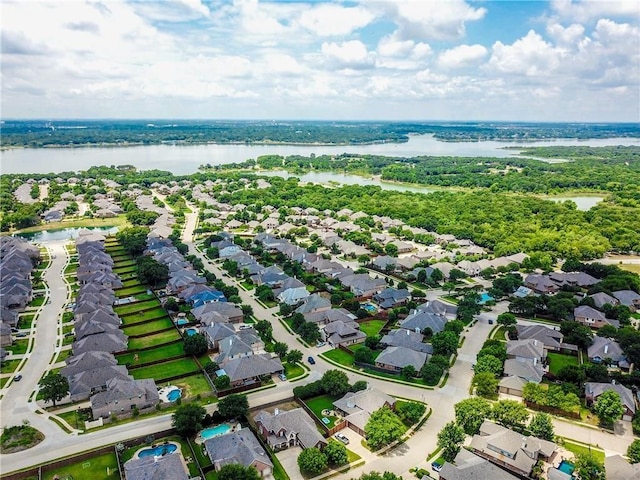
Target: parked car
{"x":436,"y":466}
{"x":343,"y":438}
{"x":17,"y":378}
{"x":321,"y":344}
{"x":490,"y":321}
{"x":282,"y":377}
{"x":311,"y":361}
{"x":245,"y":327}
{"x":21,"y":334}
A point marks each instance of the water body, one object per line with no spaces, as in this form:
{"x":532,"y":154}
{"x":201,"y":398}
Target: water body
{"x":62,"y":234}
{"x":183,"y":160}
{"x":583,"y":203}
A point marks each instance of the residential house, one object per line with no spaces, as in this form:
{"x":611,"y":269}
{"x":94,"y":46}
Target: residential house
{"x":467,"y":466}
{"x":246,"y":370}
{"x":229,"y":310}
{"x":343,"y":333}
{"x":5,"y":335}
{"x":87,"y":382}
{"x":240,"y":344}
{"x":593,"y":318}
{"x":392,"y":297}
{"x":629,"y":298}
{"x":551,"y":339}
{"x":104,"y":342}
{"x":439,"y":307}
{"x":607,"y":350}
{"x":601,"y":299}
{"x":292,"y":291}
{"x":445,"y":268}
{"x":530,"y":350}
{"x":363,"y":286}
{"x":510,"y":450}
{"x":87,"y":361}
{"x":593,"y":390}
{"x":325,"y":317}
{"x":239,"y":447}
{"x":574,"y":279}
{"x":283,"y":429}
{"x":417,"y":321}
{"x":384,"y":262}
{"x":124,"y":395}
{"x":541,"y":284}
{"x":165,"y":467}
{"x":313,"y":303}
{"x":215,"y":332}
{"x":406,"y":338}
{"x":396,"y":358}
{"x":618,"y":468}
{"x":357,"y":407}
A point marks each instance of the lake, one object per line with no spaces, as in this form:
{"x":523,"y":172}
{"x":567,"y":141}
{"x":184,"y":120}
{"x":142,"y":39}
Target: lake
{"x":183,"y":160}
{"x":62,"y":234}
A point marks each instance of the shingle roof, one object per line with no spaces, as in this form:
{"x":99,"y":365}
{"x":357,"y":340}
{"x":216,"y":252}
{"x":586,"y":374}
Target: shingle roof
{"x":595,"y":389}
{"x":469,"y":466}
{"x":401,"y":357}
{"x":368,"y":400}
{"x":238,"y":447}
{"x":252,"y":366}
{"x":530,"y":348}
{"x":297,"y":421}
{"x":167,"y":467}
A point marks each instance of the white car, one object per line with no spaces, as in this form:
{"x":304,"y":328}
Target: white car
{"x":343,"y":438}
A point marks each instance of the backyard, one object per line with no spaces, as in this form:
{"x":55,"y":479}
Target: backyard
{"x":136,"y":307}
{"x":318,"y":404}
{"x":578,"y":449}
{"x":152,"y":355}
{"x":372,"y":327}
{"x":148,"y":327}
{"x":559,"y":360}
{"x":161,"y":371}
{"x":101,"y":467}
{"x":152,"y":340}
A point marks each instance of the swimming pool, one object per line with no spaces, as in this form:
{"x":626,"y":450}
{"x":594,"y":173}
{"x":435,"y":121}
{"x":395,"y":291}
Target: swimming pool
{"x":169,"y":393}
{"x":182,"y":321}
{"x":216,"y":431}
{"x":174,"y":395}
{"x":566,"y":467}
{"x":158,"y":451}
{"x":369,"y":307}
{"x":485,"y":297}
{"x":191,"y":331}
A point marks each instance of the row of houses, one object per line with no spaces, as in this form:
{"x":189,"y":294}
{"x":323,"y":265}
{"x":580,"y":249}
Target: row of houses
{"x":17,"y":260}
{"x":92,"y":371}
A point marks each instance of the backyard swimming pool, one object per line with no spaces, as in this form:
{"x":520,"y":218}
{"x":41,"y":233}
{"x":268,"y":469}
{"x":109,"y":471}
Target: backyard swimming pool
{"x":485,"y":297}
{"x":182,"y":321}
{"x":169,"y":394}
{"x":369,"y":307}
{"x":191,"y":331}
{"x":216,"y":431}
{"x":566,"y":467}
{"x":158,"y":451}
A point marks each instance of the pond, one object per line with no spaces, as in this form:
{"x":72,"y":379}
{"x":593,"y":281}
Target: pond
{"x":63,"y":234}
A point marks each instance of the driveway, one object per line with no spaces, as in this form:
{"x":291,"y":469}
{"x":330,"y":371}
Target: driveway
{"x":289,"y":460}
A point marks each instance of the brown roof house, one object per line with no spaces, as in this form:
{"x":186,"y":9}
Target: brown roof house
{"x":239,"y":447}
{"x":593,"y":318}
{"x":592,"y":390}
{"x":357,"y":407}
{"x":283,"y":429}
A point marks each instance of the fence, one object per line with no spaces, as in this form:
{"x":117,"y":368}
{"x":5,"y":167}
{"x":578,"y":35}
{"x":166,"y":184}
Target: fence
{"x":552,"y":410}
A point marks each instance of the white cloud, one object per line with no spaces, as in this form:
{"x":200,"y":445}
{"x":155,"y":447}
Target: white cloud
{"x":529,"y":56}
{"x":569,"y":36}
{"x":172,"y":10}
{"x":462,"y":56}
{"x":333,"y":20}
{"x":351,"y":54}
{"x":585,"y":10}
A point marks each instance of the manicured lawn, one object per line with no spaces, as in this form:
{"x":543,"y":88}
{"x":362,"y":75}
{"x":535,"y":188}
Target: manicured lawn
{"x":127,"y":292}
{"x":63,"y":355}
{"x":293,"y":371}
{"x":25,"y":321}
{"x":159,"y":371}
{"x":577,"y":449}
{"x":124,"y":263}
{"x":130,"y":283}
{"x":193,"y":385}
{"x":91,"y":469}
{"x":372,"y":327}
{"x":136,"y":306}
{"x":340,"y":356}
{"x":19,"y":346}
{"x":317,"y":404}
{"x":36,"y":302}
{"x":146,"y":356}
{"x":9,"y":366}
{"x":500,"y":334}
{"x":125,"y":270}
{"x":71,"y":268}
{"x":153,"y":314}
{"x":151,"y":340}
{"x":558,"y":360}
{"x":148,"y":327}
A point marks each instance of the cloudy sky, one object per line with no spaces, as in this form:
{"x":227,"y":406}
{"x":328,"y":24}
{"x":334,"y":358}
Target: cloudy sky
{"x":373,"y":59}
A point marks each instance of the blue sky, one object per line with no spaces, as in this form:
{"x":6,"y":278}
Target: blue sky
{"x":562,"y":60}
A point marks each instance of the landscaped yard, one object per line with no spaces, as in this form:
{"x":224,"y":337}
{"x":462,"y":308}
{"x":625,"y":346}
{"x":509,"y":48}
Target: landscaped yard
{"x":559,"y":360}
{"x":151,"y":340}
{"x":136,"y":307}
{"x":153,"y":355}
{"x":92,"y":469}
{"x":193,"y":385}
{"x":63,"y":355}
{"x":153,"y":314}
{"x":19,"y":346}
{"x":9,"y":366}
{"x":339,"y":356}
{"x":292,"y":371}
{"x":160,"y":371}
{"x":127,"y":292}
{"x":124,"y":263}
{"x":149,"y":327}
{"x":372,"y":327}
{"x":318,"y":404}
{"x":577,"y":449}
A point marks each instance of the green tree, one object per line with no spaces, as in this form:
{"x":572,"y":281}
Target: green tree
{"x":431,"y":373}
{"x":391,"y":250}
{"x":265,"y":330}
{"x":280,"y":348}
{"x":541,"y":426}
{"x":364,"y":355}
{"x":294,"y":356}
{"x":54,"y":387}
{"x":488,"y":363}
{"x":410,"y":412}
{"x":222,"y":383}
{"x":133,"y":239}
{"x":236,"y":471}
{"x":510,"y":413}
{"x":455,"y":326}
{"x":576,"y":333}
{"x":211,"y":368}
{"x":633,"y":451}
{"x":309,"y":332}
{"x":471,"y":412}
{"x":335,"y":383}
{"x":588,"y":468}
{"x":336,"y":453}
{"x":312,"y":461}
{"x":506,"y":319}
{"x":608,"y":407}
{"x":378,"y":476}
{"x":408,"y":372}
{"x":444,"y":343}
{"x":384,"y":427}
{"x":195,"y":345}
{"x":486,"y":384}
{"x":150,"y":271}
{"x":449,"y":440}
{"x":171,"y":305}
{"x":187,"y":419}
{"x":233,"y":406}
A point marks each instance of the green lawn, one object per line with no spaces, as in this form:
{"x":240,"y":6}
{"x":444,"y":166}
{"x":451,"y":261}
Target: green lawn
{"x":153,"y":314}
{"x":125,"y":270}
{"x":159,"y":371}
{"x":340,"y":356}
{"x":577,"y":449}
{"x":25,"y":321}
{"x":149,"y":327}
{"x":151,"y":340}
{"x":372,"y":327}
{"x":559,"y":360}
{"x":127,"y":292}
{"x":131,"y":283}
{"x":36,"y":302}
{"x":317,"y":404}
{"x":63,"y":355}
{"x":91,"y":469}
{"x":193,"y":385}
{"x":19,"y":346}
{"x":71,"y":268}
{"x":146,"y":356}
{"x":9,"y":366}
{"x":3,"y":381}
{"x":124,"y":263}
{"x":293,"y":370}
{"x":136,"y":307}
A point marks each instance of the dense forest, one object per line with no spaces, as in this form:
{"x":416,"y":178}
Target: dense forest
{"x":65,"y":133}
